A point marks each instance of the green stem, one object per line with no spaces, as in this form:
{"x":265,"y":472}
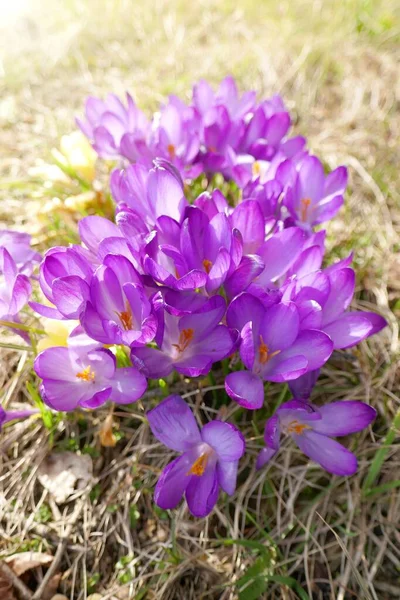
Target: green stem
{"x":16,"y":347}
{"x":22,"y":327}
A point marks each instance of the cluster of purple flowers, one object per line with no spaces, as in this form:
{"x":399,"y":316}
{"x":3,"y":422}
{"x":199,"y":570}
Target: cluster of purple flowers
{"x":183,"y":285}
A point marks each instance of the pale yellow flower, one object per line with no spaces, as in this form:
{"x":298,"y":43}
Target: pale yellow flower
{"x":57,"y":333}
{"x":76,"y":153}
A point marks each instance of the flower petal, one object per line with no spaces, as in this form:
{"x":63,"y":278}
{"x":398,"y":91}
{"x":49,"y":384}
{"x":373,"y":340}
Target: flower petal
{"x":246,"y":388}
{"x":202,"y":492}
{"x":173,"y":482}
{"x":343,"y":418}
{"x":227,"y":476}
{"x":172,"y":423}
{"x":264,"y":457}
{"x":332,"y":456}
{"x":128,"y":385}
{"x":225,"y":439}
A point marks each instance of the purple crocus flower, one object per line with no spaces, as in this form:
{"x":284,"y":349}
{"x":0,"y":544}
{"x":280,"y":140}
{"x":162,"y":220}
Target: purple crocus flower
{"x":204,"y":98}
{"x":65,"y":274}
{"x":18,"y":245}
{"x":176,"y":136}
{"x":189,"y":344}
{"x":118,"y":310}
{"x":272,"y":348}
{"x":323,"y":298}
{"x":88,"y":379}
{"x":15,"y":290}
{"x":312,"y":197}
{"x":200,"y":253}
{"x":114,"y":129}
{"x":313,"y":427}
{"x":209,"y":457}
{"x":12,"y":415}
{"x":149,"y":194}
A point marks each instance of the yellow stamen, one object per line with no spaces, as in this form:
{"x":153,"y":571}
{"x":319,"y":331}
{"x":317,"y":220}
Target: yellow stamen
{"x":199,"y":466}
{"x":256,"y":169}
{"x":86,"y":375}
{"x":305,"y":203}
{"x":171,"y":150}
{"x":207,"y":264}
{"x":185,"y":338}
{"x":264,"y":353}
{"x":296,"y":427}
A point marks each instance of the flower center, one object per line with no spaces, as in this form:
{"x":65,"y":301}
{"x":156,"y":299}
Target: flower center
{"x":126,"y":319}
{"x":207,"y":264}
{"x":185,"y":338}
{"x":212,"y":149}
{"x":264,"y":353}
{"x":256,"y":169}
{"x":199,"y":466}
{"x":87,"y":374}
{"x":305,"y":203}
{"x":171,"y":150}
{"x":296,"y":427}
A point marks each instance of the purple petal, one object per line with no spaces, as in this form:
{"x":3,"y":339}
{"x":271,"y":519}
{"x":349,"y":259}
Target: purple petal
{"x":332,"y":456}
{"x":246,"y":388}
{"x":280,"y":252}
{"x":343,"y":418}
{"x":272,"y":432}
{"x":243,"y":309}
{"x":70,"y":295}
{"x":326,"y":210}
{"x":264,"y":457}
{"x":173,"y":424}
{"x":249,"y":268}
{"x":349,"y":329}
{"x":225,"y":439}
{"x":311,"y":178}
{"x":342,"y":290}
{"x":128,"y":385}
{"x":314,"y":345}
{"x":94,"y":229}
{"x":152,"y":362}
{"x":57,"y":363}
{"x":202,"y":492}
{"x":281,"y":368}
{"x":302,"y":387}
{"x":173,"y":482}
{"x":248,"y":218}
{"x":280,"y":326}
{"x":227,"y":476}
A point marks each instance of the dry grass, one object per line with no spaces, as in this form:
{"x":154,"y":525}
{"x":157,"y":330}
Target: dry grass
{"x":338,"y":66}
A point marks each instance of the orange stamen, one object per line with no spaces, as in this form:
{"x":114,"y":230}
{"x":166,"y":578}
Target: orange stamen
{"x":296,"y":427}
{"x":199,"y":466}
{"x":86,"y":375}
{"x":126,"y":318}
{"x":212,"y":149}
{"x":185,"y":338}
{"x":264,"y":353}
{"x":207,"y":264}
{"x":305,"y":203}
{"x":171,"y":150}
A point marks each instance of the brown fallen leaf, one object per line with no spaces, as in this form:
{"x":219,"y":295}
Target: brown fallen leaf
{"x":107,"y":437}
{"x":25,"y":561}
{"x":64,"y":473}
{"x":6,"y":589}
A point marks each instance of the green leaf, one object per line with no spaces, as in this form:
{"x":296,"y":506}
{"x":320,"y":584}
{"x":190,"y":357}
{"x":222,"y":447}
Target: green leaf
{"x":255,"y":580}
{"x":380,"y":455}
{"x":291,"y":583}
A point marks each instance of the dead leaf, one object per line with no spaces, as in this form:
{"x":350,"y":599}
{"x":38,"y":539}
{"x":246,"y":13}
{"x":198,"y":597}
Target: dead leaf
{"x":52,"y":587}
{"x":6,"y":589}
{"x":65,"y":473}
{"x":107,"y":437}
{"x":25,"y":561}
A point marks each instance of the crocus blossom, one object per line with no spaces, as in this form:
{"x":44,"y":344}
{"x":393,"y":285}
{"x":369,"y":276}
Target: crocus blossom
{"x":15,"y":415}
{"x":188,"y":273}
{"x":208,"y":458}
{"x":312,"y":428}
{"x":71,"y":379}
